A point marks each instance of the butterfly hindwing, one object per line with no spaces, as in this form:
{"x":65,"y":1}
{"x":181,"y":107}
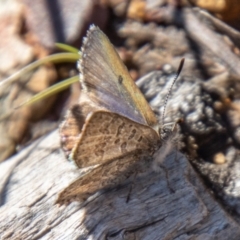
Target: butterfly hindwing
{"x":105,"y":176}
{"x":107,"y":136}
{"x":71,"y":128}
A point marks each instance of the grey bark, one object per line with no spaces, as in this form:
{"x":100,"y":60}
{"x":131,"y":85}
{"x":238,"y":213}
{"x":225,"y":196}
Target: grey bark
{"x":40,"y":171}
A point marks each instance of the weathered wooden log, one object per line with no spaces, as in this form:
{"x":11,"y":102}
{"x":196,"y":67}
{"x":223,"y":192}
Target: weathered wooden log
{"x":28,"y":209}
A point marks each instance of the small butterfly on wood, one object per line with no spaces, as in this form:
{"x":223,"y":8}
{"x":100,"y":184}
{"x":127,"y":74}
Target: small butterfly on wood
{"x":112,"y":126}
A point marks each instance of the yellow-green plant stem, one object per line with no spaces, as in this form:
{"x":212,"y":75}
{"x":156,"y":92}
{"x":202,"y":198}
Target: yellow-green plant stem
{"x":55,"y":58}
{"x":58,"y":87}
{"x":66,"y":47}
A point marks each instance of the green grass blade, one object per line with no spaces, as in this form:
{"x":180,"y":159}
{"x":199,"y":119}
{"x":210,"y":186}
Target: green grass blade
{"x":55,"y":58}
{"x":58,"y":87}
{"x":66,"y":47}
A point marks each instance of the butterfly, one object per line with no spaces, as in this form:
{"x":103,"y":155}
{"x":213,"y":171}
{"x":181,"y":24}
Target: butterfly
{"x":112,"y":128}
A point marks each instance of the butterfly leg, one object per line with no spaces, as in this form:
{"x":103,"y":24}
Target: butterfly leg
{"x":131,"y":188}
{"x":160,"y":156}
{"x":167,"y":178}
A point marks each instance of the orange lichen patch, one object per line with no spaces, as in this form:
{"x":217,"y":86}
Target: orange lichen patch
{"x":222,"y":105}
{"x":137,"y":10}
{"x":227,"y":10}
{"x":219,"y":158}
{"x":212,"y":5}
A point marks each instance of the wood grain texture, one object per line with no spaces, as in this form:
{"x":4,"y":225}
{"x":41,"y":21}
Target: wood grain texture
{"x":106,"y":176}
{"x":28,"y":209}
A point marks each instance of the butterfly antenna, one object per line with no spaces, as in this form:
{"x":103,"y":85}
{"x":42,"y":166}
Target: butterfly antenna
{"x":170,"y":89}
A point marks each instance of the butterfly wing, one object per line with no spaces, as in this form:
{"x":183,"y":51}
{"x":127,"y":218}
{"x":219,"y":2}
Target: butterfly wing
{"x":107,"y":81}
{"x":71,"y":128}
{"x":107,"y":136}
{"x":105,"y":176}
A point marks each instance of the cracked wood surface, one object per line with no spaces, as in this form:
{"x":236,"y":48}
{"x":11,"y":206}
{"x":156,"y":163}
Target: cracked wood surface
{"x":39,"y":172}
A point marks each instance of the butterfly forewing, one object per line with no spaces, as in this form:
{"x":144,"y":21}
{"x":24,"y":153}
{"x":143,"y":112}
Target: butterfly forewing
{"x":107,"y":136}
{"x":108,"y":82}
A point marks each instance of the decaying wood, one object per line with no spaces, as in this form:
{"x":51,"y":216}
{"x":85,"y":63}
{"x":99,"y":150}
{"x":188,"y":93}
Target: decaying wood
{"x":153,"y":212}
{"x":221,"y":26}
